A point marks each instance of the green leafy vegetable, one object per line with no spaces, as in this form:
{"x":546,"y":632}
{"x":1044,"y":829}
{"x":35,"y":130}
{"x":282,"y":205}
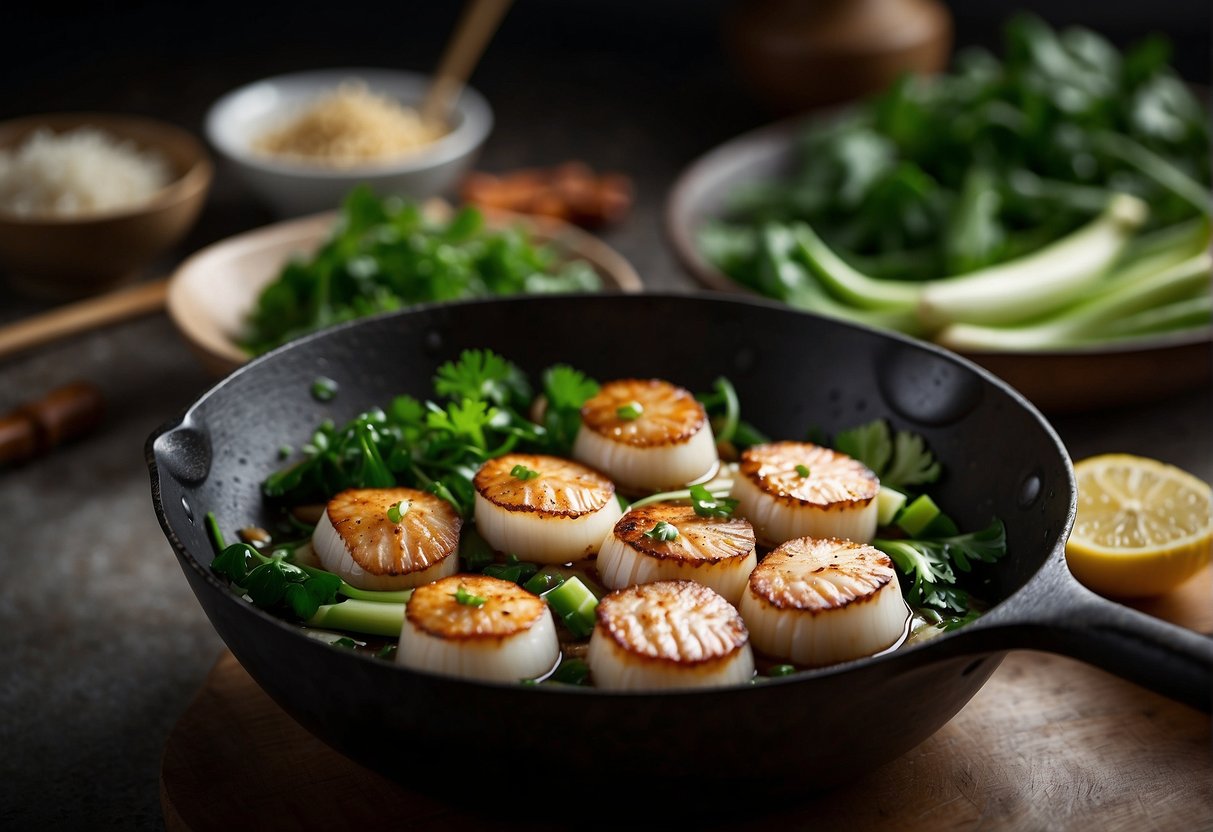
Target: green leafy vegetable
{"x":899,"y":460}
{"x":802,"y":470}
{"x":386,"y":254}
{"x":932,"y":564}
{"x":275,"y":584}
{"x":1002,"y":192}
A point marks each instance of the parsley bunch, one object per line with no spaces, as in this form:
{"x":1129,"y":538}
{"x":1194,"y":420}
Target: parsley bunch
{"x":437,"y":445}
{"x":385,"y":254}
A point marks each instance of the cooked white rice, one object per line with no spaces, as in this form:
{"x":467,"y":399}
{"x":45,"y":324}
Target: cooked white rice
{"x":81,"y":171}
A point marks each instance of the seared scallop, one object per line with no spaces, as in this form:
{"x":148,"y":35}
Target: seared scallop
{"x":798,"y":489}
{"x":665,"y":541}
{"x":478,"y":627}
{"x":814,"y":602}
{"x":668,"y":634}
{"x":388,"y":538}
{"x":544,"y":509}
{"x":647,"y":435}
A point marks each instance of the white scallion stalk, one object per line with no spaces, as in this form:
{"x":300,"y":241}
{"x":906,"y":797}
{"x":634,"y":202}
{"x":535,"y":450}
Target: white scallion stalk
{"x":1103,"y":317}
{"x":1036,"y":284}
{"x":846,"y":283}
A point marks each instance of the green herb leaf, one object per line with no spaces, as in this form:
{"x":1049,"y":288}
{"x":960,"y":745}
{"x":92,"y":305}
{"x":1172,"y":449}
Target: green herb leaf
{"x":707,"y":505}
{"x":803,"y":470}
{"x":571,"y":672}
{"x":782,"y":670}
{"x":482,"y":375}
{"x":662,"y":531}
{"x":899,"y":460}
{"x":931,"y":564}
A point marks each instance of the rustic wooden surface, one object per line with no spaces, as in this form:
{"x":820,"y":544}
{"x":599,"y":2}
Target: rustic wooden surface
{"x":1047,"y":744}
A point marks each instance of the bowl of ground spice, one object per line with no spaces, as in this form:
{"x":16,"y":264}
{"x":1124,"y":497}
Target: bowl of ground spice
{"x":304,"y":140}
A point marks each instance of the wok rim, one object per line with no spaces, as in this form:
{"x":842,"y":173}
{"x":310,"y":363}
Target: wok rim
{"x":958,"y":639}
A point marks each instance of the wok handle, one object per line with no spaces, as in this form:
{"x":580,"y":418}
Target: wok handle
{"x":1163,"y":657}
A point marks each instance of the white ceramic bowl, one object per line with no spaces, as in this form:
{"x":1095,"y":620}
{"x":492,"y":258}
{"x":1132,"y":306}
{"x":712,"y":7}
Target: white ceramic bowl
{"x":237,"y":119}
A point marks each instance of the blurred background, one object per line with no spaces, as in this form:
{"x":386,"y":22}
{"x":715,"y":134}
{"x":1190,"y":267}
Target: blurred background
{"x":642,"y":86}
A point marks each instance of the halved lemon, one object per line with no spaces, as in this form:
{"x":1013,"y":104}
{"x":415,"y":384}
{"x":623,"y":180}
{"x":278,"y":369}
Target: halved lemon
{"x":1143,"y":526}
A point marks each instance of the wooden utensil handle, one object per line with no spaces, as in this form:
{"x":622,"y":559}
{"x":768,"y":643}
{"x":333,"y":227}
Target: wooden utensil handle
{"x":475,"y":27}
{"x":83,"y":316}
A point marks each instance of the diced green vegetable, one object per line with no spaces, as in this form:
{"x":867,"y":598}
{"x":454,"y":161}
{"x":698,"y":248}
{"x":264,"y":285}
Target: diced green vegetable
{"x":888,"y":502}
{"x":917,"y":515}
{"x":575,"y":605}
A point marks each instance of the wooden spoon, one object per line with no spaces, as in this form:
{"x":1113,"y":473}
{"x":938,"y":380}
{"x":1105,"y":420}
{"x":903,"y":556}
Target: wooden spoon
{"x":476,"y":27}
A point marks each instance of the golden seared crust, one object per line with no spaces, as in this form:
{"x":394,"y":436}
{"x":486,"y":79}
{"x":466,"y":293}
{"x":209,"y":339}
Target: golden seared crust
{"x":671,"y":414}
{"x":563,"y":488}
{"x":701,"y":540}
{"x":814,"y":575}
{"x":834,"y":479}
{"x":428,"y":530}
{"x":675,"y":622}
{"x":508,"y":608}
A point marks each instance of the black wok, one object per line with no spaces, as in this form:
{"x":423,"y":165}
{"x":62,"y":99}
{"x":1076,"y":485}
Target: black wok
{"x":792,"y":371}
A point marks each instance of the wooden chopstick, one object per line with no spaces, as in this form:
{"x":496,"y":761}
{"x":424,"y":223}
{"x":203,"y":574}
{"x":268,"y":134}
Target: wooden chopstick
{"x":83,"y":316}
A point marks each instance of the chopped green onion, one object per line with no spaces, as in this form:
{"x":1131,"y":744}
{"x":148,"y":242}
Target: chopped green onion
{"x":545,"y":579}
{"x":214,"y":532}
{"x":521,"y":472}
{"x":387,"y":651}
{"x":803,"y":470}
{"x":889,"y":501}
{"x":360,"y":617}
{"x":917,"y":515}
{"x":468,"y":599}
{"x":708,"y":505}
{"x":662,"y":531}
{"x":630,"y":412}
{"x":396,"y":512}
{"x":782,"y":670}
{"x":345,"y":641}
{"x":324,"y":389}
{"x":376,"y":596}
{"x":573,"y":602}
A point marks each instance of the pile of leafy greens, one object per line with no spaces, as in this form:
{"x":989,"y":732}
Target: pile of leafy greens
{"x":385,"y":254}
{"x":1065,"y":157}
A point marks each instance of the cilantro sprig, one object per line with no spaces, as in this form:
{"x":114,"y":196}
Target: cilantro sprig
{"x":899,"y":459}
{"x":932,"y":565}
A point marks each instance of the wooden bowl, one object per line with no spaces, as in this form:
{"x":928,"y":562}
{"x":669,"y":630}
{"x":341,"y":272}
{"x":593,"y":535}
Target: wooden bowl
{"x":210,"y":293}
{"x":72,"y":256}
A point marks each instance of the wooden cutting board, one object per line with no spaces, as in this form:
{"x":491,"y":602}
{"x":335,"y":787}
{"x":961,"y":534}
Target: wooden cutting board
{"x":1047,"y":744}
